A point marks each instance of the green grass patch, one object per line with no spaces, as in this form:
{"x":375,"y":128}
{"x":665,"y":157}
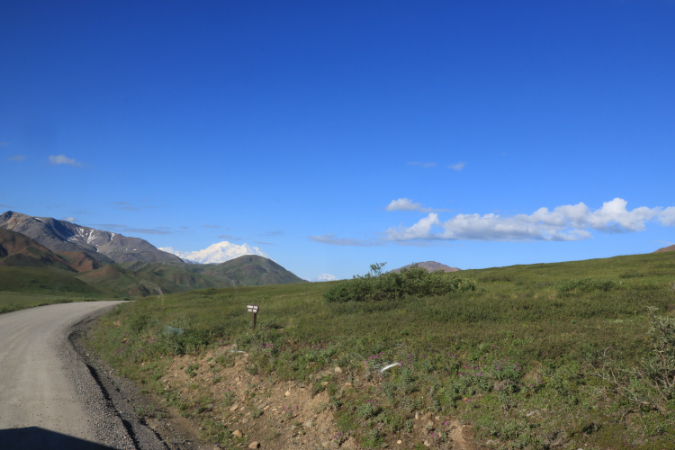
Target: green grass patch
{"x":14,"y":301}
{"x":47,"y":281}
{"x":541,"y":356}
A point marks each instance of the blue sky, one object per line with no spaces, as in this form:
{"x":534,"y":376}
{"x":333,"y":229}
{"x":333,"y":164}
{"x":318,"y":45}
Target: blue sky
{"x":333,"y":135}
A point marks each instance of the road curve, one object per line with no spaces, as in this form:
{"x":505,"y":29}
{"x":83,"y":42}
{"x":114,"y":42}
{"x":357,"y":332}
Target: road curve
{"x":45,"y":398}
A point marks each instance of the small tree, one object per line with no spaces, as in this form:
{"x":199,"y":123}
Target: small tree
{"x":413,"y":281}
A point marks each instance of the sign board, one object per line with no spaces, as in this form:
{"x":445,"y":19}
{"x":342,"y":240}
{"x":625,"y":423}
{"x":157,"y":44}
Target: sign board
{"x":253,"y":309}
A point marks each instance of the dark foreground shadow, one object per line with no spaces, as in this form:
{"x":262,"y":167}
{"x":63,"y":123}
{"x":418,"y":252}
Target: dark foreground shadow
{"x":35,"y":438}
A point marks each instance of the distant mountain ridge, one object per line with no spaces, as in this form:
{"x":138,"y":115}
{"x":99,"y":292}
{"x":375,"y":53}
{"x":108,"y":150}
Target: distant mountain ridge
{"x":251,"y":270}
{"x":430,"y":266}
{"x":142,"y":279}
{"x":666,"y":249}
{"x":40,"y":254}
{"x":103,"y":246}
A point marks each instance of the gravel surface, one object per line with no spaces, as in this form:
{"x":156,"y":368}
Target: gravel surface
{"x":123,"y":397}
{"x":50,"y":397}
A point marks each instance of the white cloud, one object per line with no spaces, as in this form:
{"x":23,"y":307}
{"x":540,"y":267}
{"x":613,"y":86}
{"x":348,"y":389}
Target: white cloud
{"x":564,"y":223}
{"x":667,"y":216}
{"x":68,"y":219}
{"x":17,"y":158}
{"x":325,"y":277}
{"x":62,"y":159}
{"x":332,"y":240}
{"x":405,"y":204}
{"x":217,"y":253}
{"x":458,"y":166}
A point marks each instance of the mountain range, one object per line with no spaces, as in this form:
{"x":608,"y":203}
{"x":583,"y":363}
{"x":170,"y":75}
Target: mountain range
{"x":44,"y":255}
{"x":103,"y":246}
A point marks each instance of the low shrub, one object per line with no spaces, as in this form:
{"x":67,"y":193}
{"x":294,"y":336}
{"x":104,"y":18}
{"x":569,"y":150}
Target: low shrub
{"x":587,"y":285}
{"x":650,"y":384}
{"x":413,"y":281}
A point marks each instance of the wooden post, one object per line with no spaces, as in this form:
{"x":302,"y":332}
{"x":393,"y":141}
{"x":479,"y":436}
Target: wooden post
{"x":253,"y":309}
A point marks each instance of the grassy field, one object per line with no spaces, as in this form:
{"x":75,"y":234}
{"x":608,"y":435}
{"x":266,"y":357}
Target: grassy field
{"x":539,"y":356}
{"x":13,"y":301}
{"x":48,"y":281}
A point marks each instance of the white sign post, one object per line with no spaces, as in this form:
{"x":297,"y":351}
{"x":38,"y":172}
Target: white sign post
{"x":253,"y":309}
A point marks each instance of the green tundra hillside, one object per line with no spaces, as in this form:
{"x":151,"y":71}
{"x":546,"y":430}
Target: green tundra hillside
{"x":569,"y":355}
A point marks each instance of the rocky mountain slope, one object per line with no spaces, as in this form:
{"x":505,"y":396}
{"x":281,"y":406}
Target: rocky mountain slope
{"x":81,"y":261}
{"x":430,"y":266}
{"x":102,"y":246}
{"x":18,"y":250}
{"x":666,"y":249}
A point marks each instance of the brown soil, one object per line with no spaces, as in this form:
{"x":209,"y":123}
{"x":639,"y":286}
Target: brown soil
{"x":19,"y":250}
{"x":284,"y":415}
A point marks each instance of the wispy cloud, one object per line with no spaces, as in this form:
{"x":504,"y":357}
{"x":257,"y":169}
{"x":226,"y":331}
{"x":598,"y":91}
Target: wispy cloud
{"x":68,"y":219}
{"x":4,"y":206}
{"x":210,"y":226}
{"x":17,"y":158}
{"x":110,"y":225}
{"x":147,"y":231}
{"x":272,"y":233}
{"x":426,"y":243}
{"x":421,"y":164}
{"x":564,"y":223}
{"x":332,"y":240}
{"x":405,"y":204}
{"x":126,"y":229}
{"x":131,"y":207}
{"x":263,"y":243}
{"x":63,"y":159}
{"x":458,"y":166}
{"x":227,"y":236}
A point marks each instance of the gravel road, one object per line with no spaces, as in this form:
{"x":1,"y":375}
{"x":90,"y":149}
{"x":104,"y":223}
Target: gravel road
{"x":49,"y":397}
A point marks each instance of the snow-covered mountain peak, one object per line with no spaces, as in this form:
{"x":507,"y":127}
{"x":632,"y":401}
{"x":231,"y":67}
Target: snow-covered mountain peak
{"x":217,"y":253}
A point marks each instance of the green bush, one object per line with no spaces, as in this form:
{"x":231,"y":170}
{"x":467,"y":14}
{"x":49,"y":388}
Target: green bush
{"x":588,"y":285}
{"x":650,"y":384}
{"x":413,"y":281}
